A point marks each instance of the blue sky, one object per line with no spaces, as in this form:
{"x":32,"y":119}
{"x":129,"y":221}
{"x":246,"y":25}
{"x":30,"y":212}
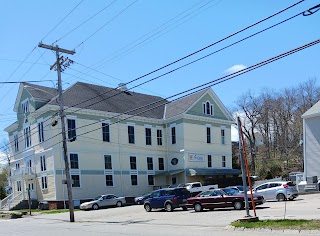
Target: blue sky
{"x":186,"y":27}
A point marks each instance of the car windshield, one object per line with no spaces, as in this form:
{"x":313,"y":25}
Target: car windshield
{"x":97,"y":198}
{"x":230,"y":191}
{"x":183,"y":185}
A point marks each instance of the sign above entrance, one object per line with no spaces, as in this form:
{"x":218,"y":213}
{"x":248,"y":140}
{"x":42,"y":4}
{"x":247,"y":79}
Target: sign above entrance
{"x":196,"y":157}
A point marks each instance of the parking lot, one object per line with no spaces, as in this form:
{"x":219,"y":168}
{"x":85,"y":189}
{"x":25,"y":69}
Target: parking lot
{"x":137,"y":220}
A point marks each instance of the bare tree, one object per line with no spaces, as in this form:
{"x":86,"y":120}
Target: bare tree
{"x":249,"y":105}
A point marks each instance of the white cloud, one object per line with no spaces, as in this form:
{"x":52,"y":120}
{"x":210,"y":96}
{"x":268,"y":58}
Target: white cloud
{"x":235,"y":68}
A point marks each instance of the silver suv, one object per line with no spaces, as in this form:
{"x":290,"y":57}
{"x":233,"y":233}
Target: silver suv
{"x":279,"y":190}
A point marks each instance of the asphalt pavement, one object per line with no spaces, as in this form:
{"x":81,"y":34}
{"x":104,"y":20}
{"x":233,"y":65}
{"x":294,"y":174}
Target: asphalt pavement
{"x":133,"y":220}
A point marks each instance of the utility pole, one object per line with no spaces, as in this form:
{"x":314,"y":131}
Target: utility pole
{"x":57,"y":64}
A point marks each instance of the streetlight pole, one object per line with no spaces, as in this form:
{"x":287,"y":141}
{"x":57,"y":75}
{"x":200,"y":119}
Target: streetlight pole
{"x":64,"y":141}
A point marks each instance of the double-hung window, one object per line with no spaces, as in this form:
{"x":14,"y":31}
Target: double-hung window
{"x":208,"y":134}
{"x":44,"y":182}
{"x":107,"y":162}
{"x":131,"y":134}
{"x":148,"y":136}
{"x":72,"y":134}
{"x":161,"y":163}
{"x":173,"y":135}
{"x":134,"y":180}
{"x":74,"y":161}
{"x":40,"y":131}
{"x":209,"y":161}
{"x":27,"y":136}
{"x":16,"y":143}
{"x":150,"y":180}
{"x":223,"y":141}
{"x":105,"y":132}
{"x":159,"y":137}
{"x":150,"y":163}
{"x":43,"y":165}
{"x":133,"y":162}
{"x":223,"y":161}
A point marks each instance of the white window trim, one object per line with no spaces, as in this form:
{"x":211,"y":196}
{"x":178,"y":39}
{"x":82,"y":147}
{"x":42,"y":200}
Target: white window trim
{"x":145,"y":136}
{"x":74,"y":170}
{"x":171,"y":126}
{"x":162,"y":138}
{"x":148,"y":179}
{"x":225,"y":161}
{"x":107,"y":154}
{"x":152,"y":163}
{"x":73,"y":173}
{"x":44,"y":176}
{"x":224,"y":129}
{"x":45,"y":161}
{"x":136,"y":170}
{"x":106,"y":122}
{"x":204,"y":105}
{"x":39,"y":121}
{"x":68,"y":117}
{"x":109,"y":171}
{"x":134,"y":128}
{"x":209,"y":126}
{"x":136,"y":173}
{"x":22,"y":106}
{"x":14,"y":141}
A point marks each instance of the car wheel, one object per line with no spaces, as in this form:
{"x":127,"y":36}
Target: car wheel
{"x":238,"y":205}
{"x":197,"y":207}
{"x":95,"y":207}
{"x":168,"y":207}
{"x":147,"y":207}
{"x":281,"y":197}
{"x":119,"y":204}
{"x":184,"y":208}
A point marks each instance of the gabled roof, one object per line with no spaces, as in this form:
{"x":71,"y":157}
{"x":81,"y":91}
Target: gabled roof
{"x":40,"y":92}
{"x":182,"y":105}
{"x":313,"y":111}
{"x":95,"y":97}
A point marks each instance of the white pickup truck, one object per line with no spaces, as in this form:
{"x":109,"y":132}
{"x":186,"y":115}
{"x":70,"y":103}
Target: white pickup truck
{"x":196,"y":187}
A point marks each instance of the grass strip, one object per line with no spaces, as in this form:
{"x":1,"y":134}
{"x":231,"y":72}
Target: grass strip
{"x":281,"y":224}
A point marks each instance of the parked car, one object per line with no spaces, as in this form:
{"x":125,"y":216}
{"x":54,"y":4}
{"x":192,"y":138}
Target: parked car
{"x":196,"y":187}
{"x":140,"y":200}
{"x":239,"y":188}
{"x":217,"y":198}
{"x":103,"y":201}
{"x":279,"y":190}
{"x":167,"y":199}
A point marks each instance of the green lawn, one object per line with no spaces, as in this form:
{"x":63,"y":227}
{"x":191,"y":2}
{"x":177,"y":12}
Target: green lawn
{"x":281,"y":224}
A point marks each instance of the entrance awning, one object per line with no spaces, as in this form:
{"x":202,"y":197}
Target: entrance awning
{"x":209,"y":171}
{"x":170,"y":172}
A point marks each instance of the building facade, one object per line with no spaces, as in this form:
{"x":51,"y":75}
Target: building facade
{"x":119,"y":142}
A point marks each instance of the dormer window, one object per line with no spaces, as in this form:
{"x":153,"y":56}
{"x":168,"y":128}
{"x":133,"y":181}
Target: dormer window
{"x":25,"y":106}
{"x":208,"y":108}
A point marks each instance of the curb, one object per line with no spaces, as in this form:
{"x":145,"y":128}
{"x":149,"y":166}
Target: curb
{"x":291,"y":231}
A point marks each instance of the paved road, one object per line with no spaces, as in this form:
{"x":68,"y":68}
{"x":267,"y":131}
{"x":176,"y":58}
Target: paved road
{"x":133,"y":220}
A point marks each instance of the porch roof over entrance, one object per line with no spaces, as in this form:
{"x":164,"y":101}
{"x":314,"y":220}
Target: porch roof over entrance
{"x":209,"y":171}
{"x":170,"y":172}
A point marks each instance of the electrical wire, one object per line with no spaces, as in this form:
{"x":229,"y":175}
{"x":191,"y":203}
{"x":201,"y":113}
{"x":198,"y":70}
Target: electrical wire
{"x":205,"y":56}
{"x":194,"y":89}
{"x":113,"y":18}
{"x":61,"y":21}
{"x":94,"y":15}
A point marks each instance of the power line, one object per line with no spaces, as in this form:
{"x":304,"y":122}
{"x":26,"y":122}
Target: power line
{"x":195,"y":89}
{"x":94,"y":15}
{"x":156,"y":33}
{"x":61,"y":20}
{"x":187,"y":56}
{"x":107,"y":23}
{"x":29,"y":81}
{"x":187,"y":64}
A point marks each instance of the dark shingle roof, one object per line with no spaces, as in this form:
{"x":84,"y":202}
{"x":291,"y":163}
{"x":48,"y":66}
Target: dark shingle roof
{"x":89,"y":96}
{"x":180,"y":106}
{"x":40,"y":92}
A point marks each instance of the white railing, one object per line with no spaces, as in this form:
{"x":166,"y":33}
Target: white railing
{"x":4,"y":202}
{"x":23,"y":171}
{"x":14,"y":200}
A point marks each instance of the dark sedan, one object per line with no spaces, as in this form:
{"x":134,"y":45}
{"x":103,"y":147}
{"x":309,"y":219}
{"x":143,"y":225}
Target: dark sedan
{"x":217,"y":198}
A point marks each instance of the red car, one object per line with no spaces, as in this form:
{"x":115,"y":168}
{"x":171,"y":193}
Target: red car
{"x":218,"y":198}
